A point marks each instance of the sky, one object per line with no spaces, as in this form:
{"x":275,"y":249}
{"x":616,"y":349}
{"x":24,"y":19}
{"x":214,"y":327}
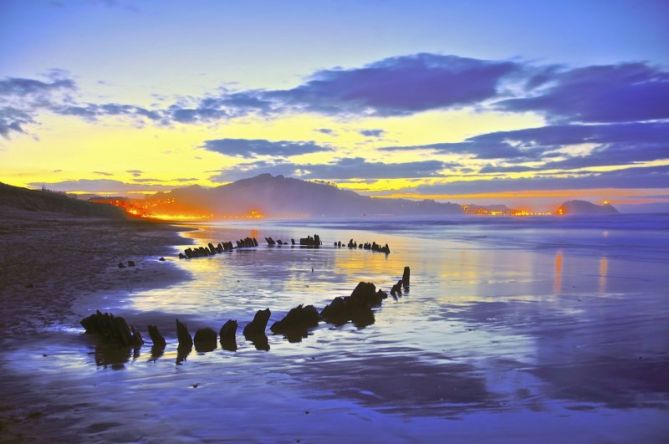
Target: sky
{"x":518,"y":102}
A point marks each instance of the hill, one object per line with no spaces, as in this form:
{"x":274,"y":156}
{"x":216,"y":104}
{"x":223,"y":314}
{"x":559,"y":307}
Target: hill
{"x":584,"y":208}
{"x":284,"y":197}
{"x":18,"y":198}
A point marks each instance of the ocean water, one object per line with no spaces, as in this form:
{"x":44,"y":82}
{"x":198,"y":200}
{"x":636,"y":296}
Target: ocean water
{"x":514,"y":330}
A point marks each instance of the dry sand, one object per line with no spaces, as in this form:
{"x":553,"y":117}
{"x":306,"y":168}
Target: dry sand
{"x":47,"y":260}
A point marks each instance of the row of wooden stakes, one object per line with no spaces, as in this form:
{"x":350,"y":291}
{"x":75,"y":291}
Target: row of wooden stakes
{"x":296,"y":325}
{"x":312,"y":242}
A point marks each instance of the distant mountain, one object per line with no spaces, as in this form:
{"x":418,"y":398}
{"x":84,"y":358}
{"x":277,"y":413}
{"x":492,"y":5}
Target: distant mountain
{"x":284,"y":197}
{"x":582,"y":207}
{"x":12,"y":197}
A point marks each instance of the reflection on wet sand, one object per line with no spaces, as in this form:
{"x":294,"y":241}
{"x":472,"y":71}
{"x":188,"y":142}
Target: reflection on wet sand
{"x":407,"y":383}
{"x":229,"y":344}
{"x":259,"y":341}
{"x":603,"y":272}
{"x":557,"y":276}
{"x":157,"y":351}
{"x":114,"y":356}
{"x":584,"y":351}
{"x":364,"y":319}
{"x":182,"y":353}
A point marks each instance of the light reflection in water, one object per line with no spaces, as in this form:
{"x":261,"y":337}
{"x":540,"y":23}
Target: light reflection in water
{"x":603,"y":273}
{"x":557,"y":275}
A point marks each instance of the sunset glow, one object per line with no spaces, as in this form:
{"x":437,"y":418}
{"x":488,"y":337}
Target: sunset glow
{"x":326,"y":221}
{"x":157,"y":209}
{"x":453,"y":120}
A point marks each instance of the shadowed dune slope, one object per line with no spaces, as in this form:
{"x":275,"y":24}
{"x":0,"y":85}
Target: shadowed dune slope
{"x":12,"y":197}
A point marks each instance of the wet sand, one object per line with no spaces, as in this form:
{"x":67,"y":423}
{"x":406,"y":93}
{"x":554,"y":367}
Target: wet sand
{"x":50,"y":260}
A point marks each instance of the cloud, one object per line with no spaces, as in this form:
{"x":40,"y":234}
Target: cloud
{"x":612,"y":155}
{"x":94,"y":111}
{"x":218,"y":107}
{"x":342,"y":169}
{"x":99,"y":186}
{"x":395,"y":86}
{"x":149,"y":180}
{"x":409,"y":84}
{"x":390,"y":87}
{"x":259,"y":147}
{"x":13,"y":120}
{"x":613,"y":144}
{"x":483,"y":148}
{"x":195,"y":115}
{"x":135,"y":173}
{"x":634,"y":177}
{"x":357,"y":167}
{"x":23,"y":98}
{"x":398,"y":85}
{"x":372,"y":132}
{"x":23,"y":87}
{"x":606,"y":93}
{"x":505,"y":169}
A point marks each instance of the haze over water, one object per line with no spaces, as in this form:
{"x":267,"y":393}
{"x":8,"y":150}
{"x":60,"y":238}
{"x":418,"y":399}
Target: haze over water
{"x":547,"y":329}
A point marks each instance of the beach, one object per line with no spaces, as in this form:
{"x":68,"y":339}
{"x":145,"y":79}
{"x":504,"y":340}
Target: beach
{"x":49,"y":260}
{"x":510,"y":332}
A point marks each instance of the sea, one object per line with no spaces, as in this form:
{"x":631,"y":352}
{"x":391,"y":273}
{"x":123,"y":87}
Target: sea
{"x":513,"y":330}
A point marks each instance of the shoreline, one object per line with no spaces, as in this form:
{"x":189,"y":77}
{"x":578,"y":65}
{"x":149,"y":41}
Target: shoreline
{"x":48,"y":261}
{"x":53,"y":268}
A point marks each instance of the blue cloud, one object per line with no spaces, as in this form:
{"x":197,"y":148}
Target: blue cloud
{"x":409,"y":84}
{"x":505,"y":169}
{"x":634,"y":177}
{"x":94,"y":111}
{"x":399,"y":85}
{"x":393,"y":86}
{"x":21,"y":87}
{"x":616,"y":144}
{"x":477,"y":148}
{"x":225,"y":106}
{"x":342,"y":169}
{"x":260,"y":147}
{"x":23,"y":98}
{"x":608,"y":93}
{"x":402,"y":85}
{"x":13,"y":120}
{"x":135,"y":173}
{"x":372,"y":132}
